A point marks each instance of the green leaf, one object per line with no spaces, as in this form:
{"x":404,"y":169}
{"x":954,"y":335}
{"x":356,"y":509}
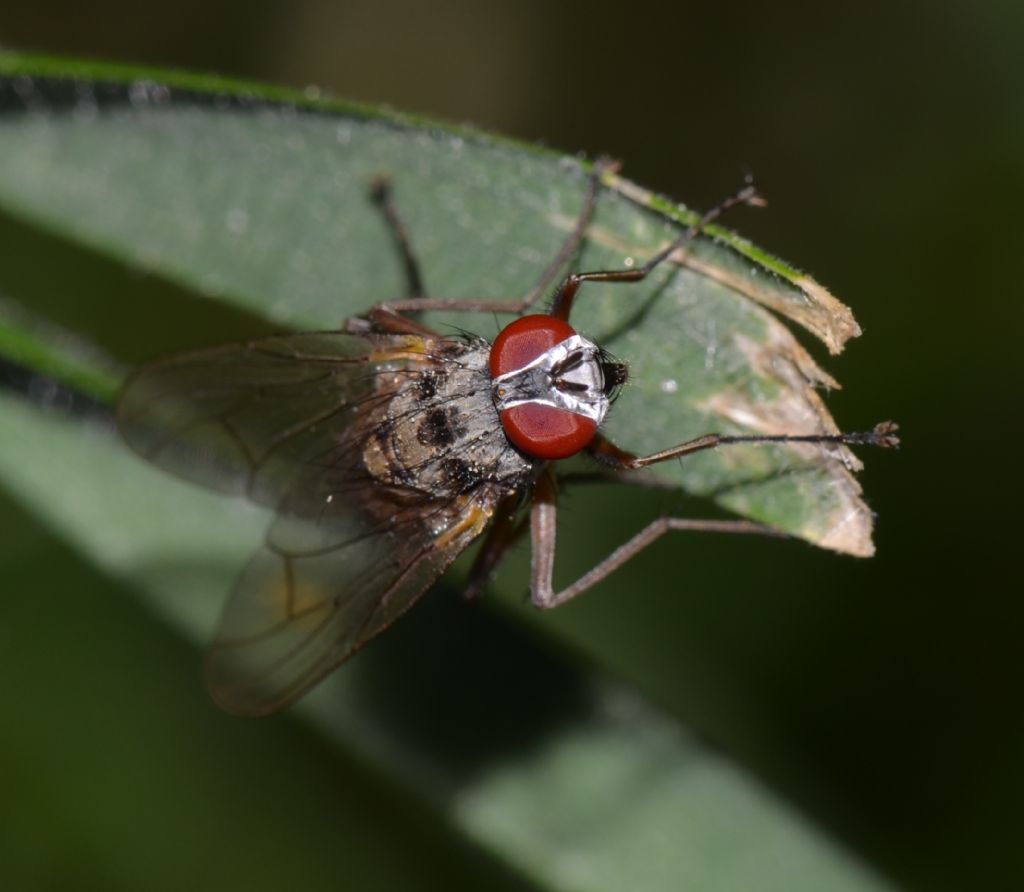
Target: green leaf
{"x":223,"y":206}
{"x":263,"y":205}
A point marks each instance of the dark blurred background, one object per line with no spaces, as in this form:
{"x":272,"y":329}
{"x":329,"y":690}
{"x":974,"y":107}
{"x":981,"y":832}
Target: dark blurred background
{"x":888,"y":139}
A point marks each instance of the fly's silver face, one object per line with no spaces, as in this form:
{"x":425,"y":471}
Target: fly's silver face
{"x":568,"y":376}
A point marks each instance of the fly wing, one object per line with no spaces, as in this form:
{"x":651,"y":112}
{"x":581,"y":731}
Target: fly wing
{"x":244,"y":418}
{"x":285,"y":421}
{"x":321,"y":588}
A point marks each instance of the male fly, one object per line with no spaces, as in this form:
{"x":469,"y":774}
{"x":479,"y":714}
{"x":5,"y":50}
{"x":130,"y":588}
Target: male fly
{"x":385,"y":449}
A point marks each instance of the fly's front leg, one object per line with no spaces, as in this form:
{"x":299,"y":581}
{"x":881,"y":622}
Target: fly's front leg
{"x":543,"y":517}
{"x":416,"y":300}
{"x":543,"y":510}
{"x":604,"y":450}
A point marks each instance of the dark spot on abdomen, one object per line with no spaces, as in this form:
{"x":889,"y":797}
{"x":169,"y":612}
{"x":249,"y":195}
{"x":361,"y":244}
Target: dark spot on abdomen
{"x":437,"y":428}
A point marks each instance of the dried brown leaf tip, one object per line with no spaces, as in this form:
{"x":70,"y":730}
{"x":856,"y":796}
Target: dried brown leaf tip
{"x":819,"y":478}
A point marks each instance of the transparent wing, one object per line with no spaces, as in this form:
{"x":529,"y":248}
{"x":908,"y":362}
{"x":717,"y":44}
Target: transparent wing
{"x":321,"y":588}
{"x":285,"y":420}
{"x":245,"y":417}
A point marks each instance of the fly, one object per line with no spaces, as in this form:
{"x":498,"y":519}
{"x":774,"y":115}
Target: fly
{"x":385,"y":449}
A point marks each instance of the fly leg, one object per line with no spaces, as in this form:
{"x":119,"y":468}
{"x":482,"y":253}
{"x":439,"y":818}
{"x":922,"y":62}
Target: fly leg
{"x":572,"y":243}
{"x":566,"y":291}
{"x":604,"y":450}
{"x":380,"y":194}
{"x":543,"y":515}
{"x":416,"y":302}
{"x":562,"y":303}
{"x":383,"y":318}
{"x":398,"y":317}
{"x":543,"y":510}
{"x":504,"y":533}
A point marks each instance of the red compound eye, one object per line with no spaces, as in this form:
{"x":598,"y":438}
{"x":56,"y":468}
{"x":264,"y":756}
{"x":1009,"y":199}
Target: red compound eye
{"x":519,"y":343}
{"x":544,"y":432}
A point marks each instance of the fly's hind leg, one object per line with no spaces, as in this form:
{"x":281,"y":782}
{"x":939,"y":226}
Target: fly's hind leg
{"x":416,"y":301}
{"x":381,"y":195}
{"x":383,"y":317}
{"x":566,"y":291}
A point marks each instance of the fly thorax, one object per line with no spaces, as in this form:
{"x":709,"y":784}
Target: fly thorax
{"x":436,"y":430}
